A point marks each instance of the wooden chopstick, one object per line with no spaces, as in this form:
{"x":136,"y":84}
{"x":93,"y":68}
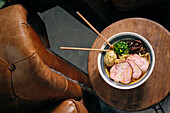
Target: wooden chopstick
{"x":94,"y":29}
{"x":85,"y":49}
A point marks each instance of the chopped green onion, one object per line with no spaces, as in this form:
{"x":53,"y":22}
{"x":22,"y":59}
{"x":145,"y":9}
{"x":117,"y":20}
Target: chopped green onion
{"x":121,"y":48}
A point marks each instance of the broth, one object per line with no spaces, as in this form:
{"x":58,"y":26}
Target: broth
{"x":137,"y":51}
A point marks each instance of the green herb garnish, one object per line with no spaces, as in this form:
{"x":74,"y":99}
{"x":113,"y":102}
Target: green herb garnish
{"x":121,"y":48}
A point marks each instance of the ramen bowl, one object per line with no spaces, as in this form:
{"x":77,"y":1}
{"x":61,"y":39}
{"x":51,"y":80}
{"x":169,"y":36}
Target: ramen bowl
{"x":126,"y":36}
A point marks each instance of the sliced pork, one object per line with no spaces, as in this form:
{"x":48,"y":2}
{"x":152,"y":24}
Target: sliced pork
{"x":140,"y":61}
{"x":121,"y":72}
{"x":135,"y":69}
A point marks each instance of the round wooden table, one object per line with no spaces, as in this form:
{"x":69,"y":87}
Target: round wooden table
{"x":156,"y":88}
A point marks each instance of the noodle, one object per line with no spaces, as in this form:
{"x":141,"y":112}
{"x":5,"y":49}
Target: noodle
{"x":142,"y":52}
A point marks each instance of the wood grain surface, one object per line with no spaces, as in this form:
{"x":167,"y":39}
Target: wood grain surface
{"x":156,"y":88}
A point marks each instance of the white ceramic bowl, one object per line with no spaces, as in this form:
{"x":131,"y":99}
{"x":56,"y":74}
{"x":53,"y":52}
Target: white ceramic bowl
{"x":122,"y":36}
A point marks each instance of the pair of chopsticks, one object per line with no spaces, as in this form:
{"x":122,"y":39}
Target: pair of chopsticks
{"x":89,"y":49}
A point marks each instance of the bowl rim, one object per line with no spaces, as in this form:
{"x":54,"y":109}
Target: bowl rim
{"x":148,"y":74}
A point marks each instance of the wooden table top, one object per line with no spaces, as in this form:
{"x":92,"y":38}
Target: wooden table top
{"x":156,"y":88}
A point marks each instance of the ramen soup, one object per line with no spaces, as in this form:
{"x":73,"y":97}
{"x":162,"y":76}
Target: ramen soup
{"x":127,"y":61}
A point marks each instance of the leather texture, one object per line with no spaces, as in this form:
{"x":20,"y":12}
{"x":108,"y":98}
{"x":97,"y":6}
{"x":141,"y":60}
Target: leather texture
{"x":26,"y":80}
{"x":67,"y":106}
